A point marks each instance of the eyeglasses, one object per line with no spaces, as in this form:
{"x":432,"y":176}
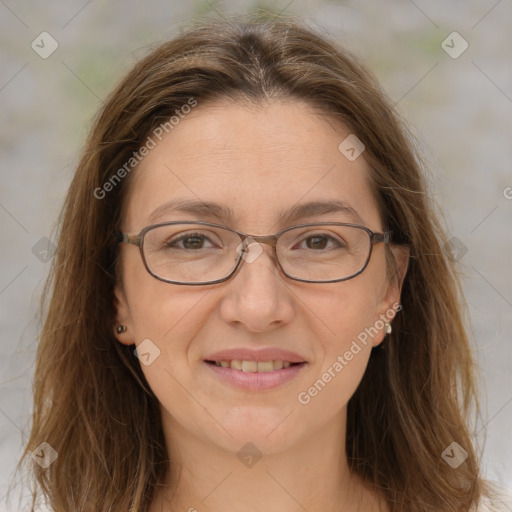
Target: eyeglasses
{"x":200,"y":253}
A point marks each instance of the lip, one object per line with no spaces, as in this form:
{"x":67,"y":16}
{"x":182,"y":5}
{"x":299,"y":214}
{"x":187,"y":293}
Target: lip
{"x":255,"y":381}
{"x":263,"y":354}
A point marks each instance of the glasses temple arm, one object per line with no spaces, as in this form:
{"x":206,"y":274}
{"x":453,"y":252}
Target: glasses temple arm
{"x":124,"y":238}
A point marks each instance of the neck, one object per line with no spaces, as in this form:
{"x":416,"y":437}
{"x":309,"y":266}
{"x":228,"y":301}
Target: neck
{"x":313,"y":474}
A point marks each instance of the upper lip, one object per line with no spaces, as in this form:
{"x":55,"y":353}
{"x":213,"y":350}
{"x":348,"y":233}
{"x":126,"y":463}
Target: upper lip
{"x":247,"y":354}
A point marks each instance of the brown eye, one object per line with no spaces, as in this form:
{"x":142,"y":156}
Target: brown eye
{"x":190,"y":242}
{"x":320,"y":242}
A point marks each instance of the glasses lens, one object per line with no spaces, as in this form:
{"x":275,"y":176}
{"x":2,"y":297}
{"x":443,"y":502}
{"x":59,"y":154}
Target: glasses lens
{"x":323,"y":252}
{"x":190,"y":253}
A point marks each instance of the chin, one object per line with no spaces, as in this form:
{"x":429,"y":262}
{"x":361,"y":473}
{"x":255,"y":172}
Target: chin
{"x":268,"y":429}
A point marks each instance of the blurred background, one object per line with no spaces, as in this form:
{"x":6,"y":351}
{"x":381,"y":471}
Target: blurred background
{"x":446,"y":65}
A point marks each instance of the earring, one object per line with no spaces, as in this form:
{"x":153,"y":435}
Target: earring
{"x":121,"y":328}
{"x":388,"y":328}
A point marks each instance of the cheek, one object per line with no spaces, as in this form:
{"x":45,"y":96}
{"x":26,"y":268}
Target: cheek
{"x":334,"y":381}
{"x":342,"y":317}
{"x":156,"y":308}
{"x":164,"y":319}
{"x":340,"y":312}
{"x":170,"y":317}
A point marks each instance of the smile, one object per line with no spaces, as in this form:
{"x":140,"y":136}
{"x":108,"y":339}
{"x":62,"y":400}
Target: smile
{"x":255,"y":376}
{"x":254,"y":366}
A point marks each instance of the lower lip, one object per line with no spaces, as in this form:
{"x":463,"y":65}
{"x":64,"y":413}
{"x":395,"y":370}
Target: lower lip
{"x":256,"y":381}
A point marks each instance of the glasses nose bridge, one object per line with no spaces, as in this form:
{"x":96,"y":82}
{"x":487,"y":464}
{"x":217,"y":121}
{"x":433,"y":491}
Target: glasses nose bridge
{"x":262,"y":239}
{"x":247,"y":240}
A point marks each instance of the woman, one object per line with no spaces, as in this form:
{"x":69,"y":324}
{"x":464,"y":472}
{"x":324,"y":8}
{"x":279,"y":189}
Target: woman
{"x":190,"y":359}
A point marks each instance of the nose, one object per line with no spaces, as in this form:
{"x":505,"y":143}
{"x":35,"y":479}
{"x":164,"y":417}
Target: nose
{"x":257,"y":295}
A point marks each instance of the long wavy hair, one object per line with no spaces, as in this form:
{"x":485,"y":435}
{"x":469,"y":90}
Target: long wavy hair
{"x":92,"y":403}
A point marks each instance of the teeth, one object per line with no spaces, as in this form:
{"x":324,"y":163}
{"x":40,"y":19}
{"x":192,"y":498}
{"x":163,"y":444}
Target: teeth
{"x":236,"y":365}
{"x":265,"y":366}
{"x":254,"y":366}
{"x":249,"y":366}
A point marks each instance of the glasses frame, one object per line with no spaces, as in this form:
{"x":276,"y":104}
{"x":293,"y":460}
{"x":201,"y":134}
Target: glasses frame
{"x":138,"y":240}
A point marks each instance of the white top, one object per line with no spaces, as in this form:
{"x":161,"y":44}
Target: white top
{"x":500,"y":501}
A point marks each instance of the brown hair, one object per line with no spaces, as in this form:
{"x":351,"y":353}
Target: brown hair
{"x":92,"y":403}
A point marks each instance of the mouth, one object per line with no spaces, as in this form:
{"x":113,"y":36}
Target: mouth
{"x":249,"y":366}
{"x":254,"y":376}
{"x":248,"y":369}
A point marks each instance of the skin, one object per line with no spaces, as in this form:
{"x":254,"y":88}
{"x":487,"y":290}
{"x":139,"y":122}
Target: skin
{"x":246,"y":157}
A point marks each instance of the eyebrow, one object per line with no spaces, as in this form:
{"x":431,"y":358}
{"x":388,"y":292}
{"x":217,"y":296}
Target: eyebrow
{"x":224,"y":213}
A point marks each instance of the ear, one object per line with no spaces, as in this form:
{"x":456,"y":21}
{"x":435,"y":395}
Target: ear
{"x":122,"y":316}
{"x":389,"y":303}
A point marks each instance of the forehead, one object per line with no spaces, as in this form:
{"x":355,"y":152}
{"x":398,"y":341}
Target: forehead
{"x":256,"y":163}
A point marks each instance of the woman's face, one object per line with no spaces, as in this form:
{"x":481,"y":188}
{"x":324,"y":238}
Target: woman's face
{"x":259,"y":162}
